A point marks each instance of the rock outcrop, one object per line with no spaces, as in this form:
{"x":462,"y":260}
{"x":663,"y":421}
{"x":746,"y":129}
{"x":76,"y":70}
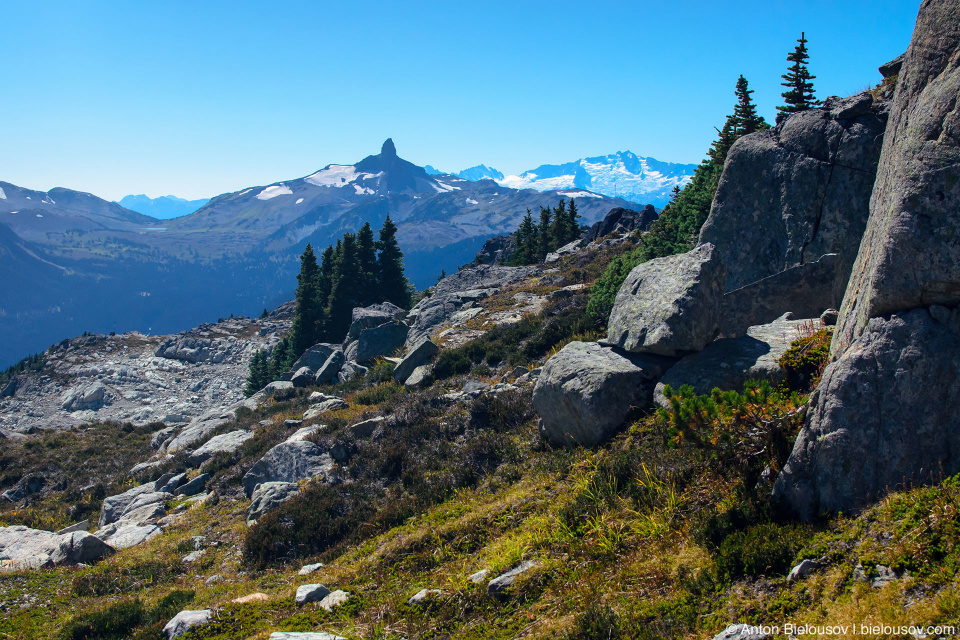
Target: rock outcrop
{"x":911,"y":248}
{"x":622,"y":220}
{"x":23,"y":547}
{"x":372,"y":316}
{"x":585,"y":391}
{"x":268,"y":496}
{"x":288,"y":462}
{"x":729,"y":362}
{"x":416,"y":356}
{"x":379,"y":341}
{"x":455,"y":293}
{"x":883,"y":417}
{"x":798,"y":191}
{"x":669,"y":306}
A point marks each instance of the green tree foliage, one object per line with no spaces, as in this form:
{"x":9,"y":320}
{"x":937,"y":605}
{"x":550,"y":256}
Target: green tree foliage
{"x":350,"y":274}
{"x":367,"y":262}
{"x":605,"y":289}
{"x":30,"y":363}
{"x":799,"y":94}
{"x":346,"y":287}
{"x":557,"y":227}
{"x":393,"y":285}
{"x":308,"y":319}
{"x":746,"y":119}
{"x":259,"y":375}
{"x":678,"y":226}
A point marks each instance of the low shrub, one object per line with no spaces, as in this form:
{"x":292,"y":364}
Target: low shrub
{"x":605,"y":290}
{"x":806,"y":359}
{"x":108,"y":579}
{"x":763,"y":549}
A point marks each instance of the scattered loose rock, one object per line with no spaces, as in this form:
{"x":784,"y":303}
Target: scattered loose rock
{"x":311,"y":593}
{"x":499,"y":585}
{"x":185,"y":621}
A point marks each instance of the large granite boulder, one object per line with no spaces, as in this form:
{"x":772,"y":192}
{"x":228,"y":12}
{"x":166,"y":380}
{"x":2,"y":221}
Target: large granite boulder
{"x":883,"y":418}
{"x":418,"y":355}
{"x":302,"y":378}
{"x":806,"y":291}
{"x":727,"y":363}
{"x":910,"y":254}
{"x":268,"y":496}
{"x":288,"y":462}
{"x":116,"y":506}
{"x":382,"y":340}
{"x":669,"y":306}
{"x":315,"y":356}
{"x":30,"y":548}
{"x":200,"y":428}
{"x":372,"y":316}
{"x":85,"y":396}
{"x":620,"y":219}
{"x":224,"y":443}
{"x":585,"y":391}
{"x":328,"y":372}
{"x":798,"y":191}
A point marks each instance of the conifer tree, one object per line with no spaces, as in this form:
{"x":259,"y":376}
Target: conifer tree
{"x":345,"y":289}
{"x":559,"y":230}
{"x":674,"y":194}
{"x":799,"y":94}
{"x":280,"y":359}
{"x":308,"y":319}
{"x":367,"y":265}
{"x":573,"y":226}
{"x":527,"y":241}
{"x":746,"y":119}
{"x":545,"y":241}
{"x":393,"y":286}
{"x":326,"y":276}
{"x":259,"y":375}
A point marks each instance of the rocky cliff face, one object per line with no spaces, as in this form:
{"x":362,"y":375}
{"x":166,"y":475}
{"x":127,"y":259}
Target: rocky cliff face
{"x":882,"y":418}
{"x":911,"y":249}
{"x":798,"y":191}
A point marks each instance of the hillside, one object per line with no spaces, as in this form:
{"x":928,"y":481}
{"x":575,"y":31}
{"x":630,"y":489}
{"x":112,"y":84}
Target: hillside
{"x":238,"y":253}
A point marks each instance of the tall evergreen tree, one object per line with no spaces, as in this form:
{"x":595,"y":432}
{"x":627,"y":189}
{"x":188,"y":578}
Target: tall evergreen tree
{"x":573,"y":221}
{"x":527,"y":240}
{"x":559,"y":231}
{"x":308,"y":319}
{"x":746,"y":119}
{"x":799,"y":94}
{"x":344,"y":294}
{"x":367,"y":265}
{"x":674,"y":195}
{"x":393,"y":286}
{"x":280,"y":359}
{"x":259,"y":375}
{"x":326,"y":276}
{"x":545,"y":241}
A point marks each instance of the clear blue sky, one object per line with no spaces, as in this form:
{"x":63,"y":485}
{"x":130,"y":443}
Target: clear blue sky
{"x":198,"y":98}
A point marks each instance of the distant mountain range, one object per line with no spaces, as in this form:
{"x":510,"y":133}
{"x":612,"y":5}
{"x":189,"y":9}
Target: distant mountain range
{"x":75,"y":262}
{"x":162,"y":208}
{"x":618,"y":175}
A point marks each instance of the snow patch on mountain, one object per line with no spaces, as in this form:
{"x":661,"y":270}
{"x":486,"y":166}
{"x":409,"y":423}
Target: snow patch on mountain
{"x":273,"y":191}
{"x":3,"y":196}
{"x":340,"y":175}
{"x":578,"y":194}
{"x":623,"y":174}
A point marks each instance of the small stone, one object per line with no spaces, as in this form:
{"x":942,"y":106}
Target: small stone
{"x":829,"y":317}
{"x":311,"y":593}
{"x":803,"y":570}
{"x":213,"y":579}
{"x":307,"y":569}
{"x":478,"y":577}
{"x":253,"y":597}
{"x":185,"y":621}
{"x":334,"y":600}
{"x":742,"y":632}
{"x":420,"y":597}
{"x":193,"y":556}
{"x":498,"y":586}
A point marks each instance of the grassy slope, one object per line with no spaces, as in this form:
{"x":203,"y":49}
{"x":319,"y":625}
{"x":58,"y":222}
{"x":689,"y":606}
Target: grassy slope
{"x":660,"y":533}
